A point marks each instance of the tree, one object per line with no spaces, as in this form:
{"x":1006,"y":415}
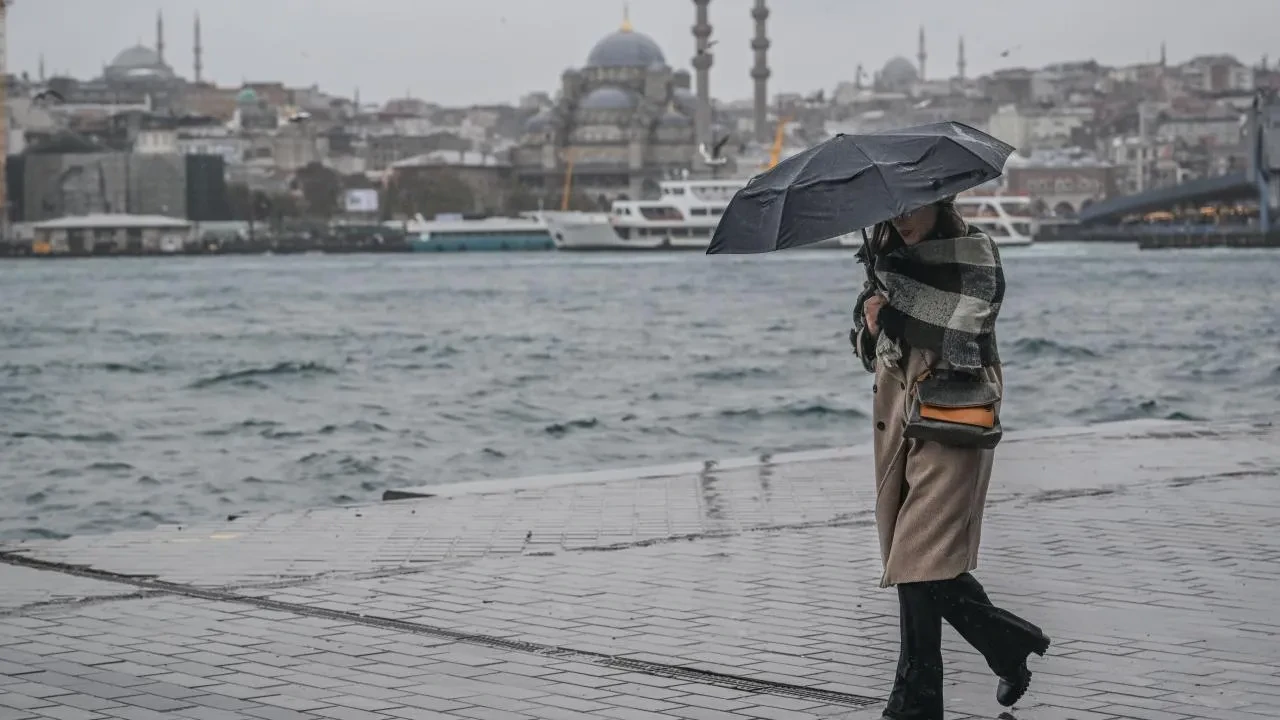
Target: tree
{"x":521,"y":199}
{"x":321,"y":189}
{"x":429,"y":193}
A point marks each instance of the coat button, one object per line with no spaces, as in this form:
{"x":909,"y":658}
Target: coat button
{"x":902,"y":385}
{"x":875,"y":389}
{"x":880,"y":425}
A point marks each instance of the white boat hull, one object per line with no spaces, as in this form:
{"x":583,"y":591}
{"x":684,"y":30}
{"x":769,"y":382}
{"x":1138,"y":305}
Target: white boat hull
{"x":596,"y":233}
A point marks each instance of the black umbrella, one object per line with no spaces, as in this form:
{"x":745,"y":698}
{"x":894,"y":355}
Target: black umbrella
{"x":852,"y":182}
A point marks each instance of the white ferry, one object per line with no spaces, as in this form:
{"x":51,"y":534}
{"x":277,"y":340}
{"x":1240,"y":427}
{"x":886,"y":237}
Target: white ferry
{"x":1006,"y":218}
{"x":683,"y":217}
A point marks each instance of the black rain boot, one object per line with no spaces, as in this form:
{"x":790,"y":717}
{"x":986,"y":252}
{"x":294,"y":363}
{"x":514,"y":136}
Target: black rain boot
{"x":917,"y":685}
{"x":1014,"y":685}
{"x":1004,"y":639}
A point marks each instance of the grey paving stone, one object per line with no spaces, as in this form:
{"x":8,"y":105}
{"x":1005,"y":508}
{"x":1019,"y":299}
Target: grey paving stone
{"x":155,"y":702}
{"x":18,"y":701}
{"x":64,"y":712}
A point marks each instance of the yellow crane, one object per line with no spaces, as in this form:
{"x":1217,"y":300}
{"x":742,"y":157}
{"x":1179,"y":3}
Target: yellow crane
{"x":775,"y":155}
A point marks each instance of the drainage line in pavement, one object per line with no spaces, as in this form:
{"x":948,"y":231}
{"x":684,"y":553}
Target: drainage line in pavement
{"x":674,"y":672}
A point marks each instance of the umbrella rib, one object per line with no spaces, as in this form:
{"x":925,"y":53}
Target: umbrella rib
{"x":883,"y":182}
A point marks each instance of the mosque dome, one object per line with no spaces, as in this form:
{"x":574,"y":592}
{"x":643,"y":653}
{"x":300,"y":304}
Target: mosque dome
{"x":626,"y":48}
{"x":137,"y":58}
{"x":674,"y":118}
{"x":540,"y":122}
{"x":247,"y":96}
{"x":899,"y":72}
{"x":608,"y":98}
{"x":685,"y":101}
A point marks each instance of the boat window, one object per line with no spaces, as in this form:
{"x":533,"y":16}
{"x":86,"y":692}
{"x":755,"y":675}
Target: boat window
{"x":995,"y":230}
{"x":661,"y":213}
{"x":698,"y":211}
{"x":1022,"y":228}
{"x":677,"y":191}
{"x":717,"y":211}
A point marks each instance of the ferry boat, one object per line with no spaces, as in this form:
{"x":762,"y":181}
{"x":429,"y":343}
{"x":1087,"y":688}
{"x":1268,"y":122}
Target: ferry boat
{"x":1006,"y":218}
{"x":492,"y":234}
{"x":683,"y":217}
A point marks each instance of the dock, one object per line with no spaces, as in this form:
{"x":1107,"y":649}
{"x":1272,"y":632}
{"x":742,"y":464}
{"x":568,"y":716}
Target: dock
{"x":705,"y":591}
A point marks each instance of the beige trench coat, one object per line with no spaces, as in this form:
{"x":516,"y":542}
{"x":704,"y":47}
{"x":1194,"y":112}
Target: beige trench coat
{"x":929,"y":497}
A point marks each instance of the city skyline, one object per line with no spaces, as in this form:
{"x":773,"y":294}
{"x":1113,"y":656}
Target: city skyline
{"x":342,"y":47}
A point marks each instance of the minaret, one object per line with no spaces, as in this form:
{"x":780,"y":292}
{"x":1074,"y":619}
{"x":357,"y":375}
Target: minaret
{"x":960,"y":61}
{"x":1163,"y":55}
{"x":702,"y":65}
{"x":760,"y":72}
{"x":199,"y":50}
{"x":160,"y":35}
{"x":921,"y":55}
{"x":41,"y":68}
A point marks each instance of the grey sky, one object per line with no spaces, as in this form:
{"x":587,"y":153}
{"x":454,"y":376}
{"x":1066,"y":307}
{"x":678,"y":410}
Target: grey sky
{"x":467,"y":51}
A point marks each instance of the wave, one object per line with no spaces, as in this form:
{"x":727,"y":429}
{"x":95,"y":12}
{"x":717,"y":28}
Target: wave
{"x":1037,"y":347}
{"x":562,"y":429}
{"x":249,"y":376}
{"x":98,"y":437}
{"x":733,"y":374}
{"x":115,"y":367}
{"x":440,"y":352}
{"x":11,"y":370}
{"x":796,"y":410}
{"x":1148,"y":410}
{"x":361,"y":426}
{"x":110,"y":466}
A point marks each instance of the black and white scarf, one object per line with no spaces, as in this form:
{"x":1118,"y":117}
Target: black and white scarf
{"x":947,"y":294}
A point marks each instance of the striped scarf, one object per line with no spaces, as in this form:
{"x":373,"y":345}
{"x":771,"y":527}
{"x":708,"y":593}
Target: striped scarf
{"x":948,"y":291}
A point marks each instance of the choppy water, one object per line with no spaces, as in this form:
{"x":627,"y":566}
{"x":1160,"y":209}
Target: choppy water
{"x":137,"y":392}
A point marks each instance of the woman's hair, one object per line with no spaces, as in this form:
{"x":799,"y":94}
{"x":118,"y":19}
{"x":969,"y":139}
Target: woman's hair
{"x":885,"y":237}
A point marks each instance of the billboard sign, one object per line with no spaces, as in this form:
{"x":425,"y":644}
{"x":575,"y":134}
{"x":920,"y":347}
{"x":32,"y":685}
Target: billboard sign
{"x":364,"y":200}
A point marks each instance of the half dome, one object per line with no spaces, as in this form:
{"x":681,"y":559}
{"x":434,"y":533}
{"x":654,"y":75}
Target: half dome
{"x":608,"y":98}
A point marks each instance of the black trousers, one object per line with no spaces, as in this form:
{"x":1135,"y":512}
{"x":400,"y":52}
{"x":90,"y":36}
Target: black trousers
{"x":1004,"y":639}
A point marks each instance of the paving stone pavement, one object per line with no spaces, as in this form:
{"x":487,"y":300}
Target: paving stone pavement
{"x":1148,"y":552}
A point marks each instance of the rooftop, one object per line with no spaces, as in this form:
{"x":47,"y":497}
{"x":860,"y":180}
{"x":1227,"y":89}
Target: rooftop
{"x":104,"y":221}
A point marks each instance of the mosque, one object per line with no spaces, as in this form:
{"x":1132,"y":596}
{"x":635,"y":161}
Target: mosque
{"x":626,"y":119}
{"x":141,"y":68}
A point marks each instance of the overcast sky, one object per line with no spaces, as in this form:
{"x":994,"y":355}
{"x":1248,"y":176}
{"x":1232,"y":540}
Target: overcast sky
{"x":474,"y":51}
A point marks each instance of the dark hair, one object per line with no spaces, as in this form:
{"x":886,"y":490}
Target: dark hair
{"x":884,"y":237}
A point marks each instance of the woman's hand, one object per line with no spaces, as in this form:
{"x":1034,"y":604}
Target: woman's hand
{"x":871,"y":312}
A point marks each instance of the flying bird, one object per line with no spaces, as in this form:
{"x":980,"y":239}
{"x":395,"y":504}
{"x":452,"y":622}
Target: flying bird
{"x":48,"y":96}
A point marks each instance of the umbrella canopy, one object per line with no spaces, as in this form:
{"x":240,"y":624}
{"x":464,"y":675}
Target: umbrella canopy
{"x":852,"y":182}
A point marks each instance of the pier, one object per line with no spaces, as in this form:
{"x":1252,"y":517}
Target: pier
{"x":706,"y":591}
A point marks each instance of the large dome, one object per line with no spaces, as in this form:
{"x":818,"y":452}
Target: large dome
{"x":626,"y":48}
{"x":137,"y":58}
{"x":899,"y":72}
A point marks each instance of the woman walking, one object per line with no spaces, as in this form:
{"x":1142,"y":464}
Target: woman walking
{"x":924,"y":323}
